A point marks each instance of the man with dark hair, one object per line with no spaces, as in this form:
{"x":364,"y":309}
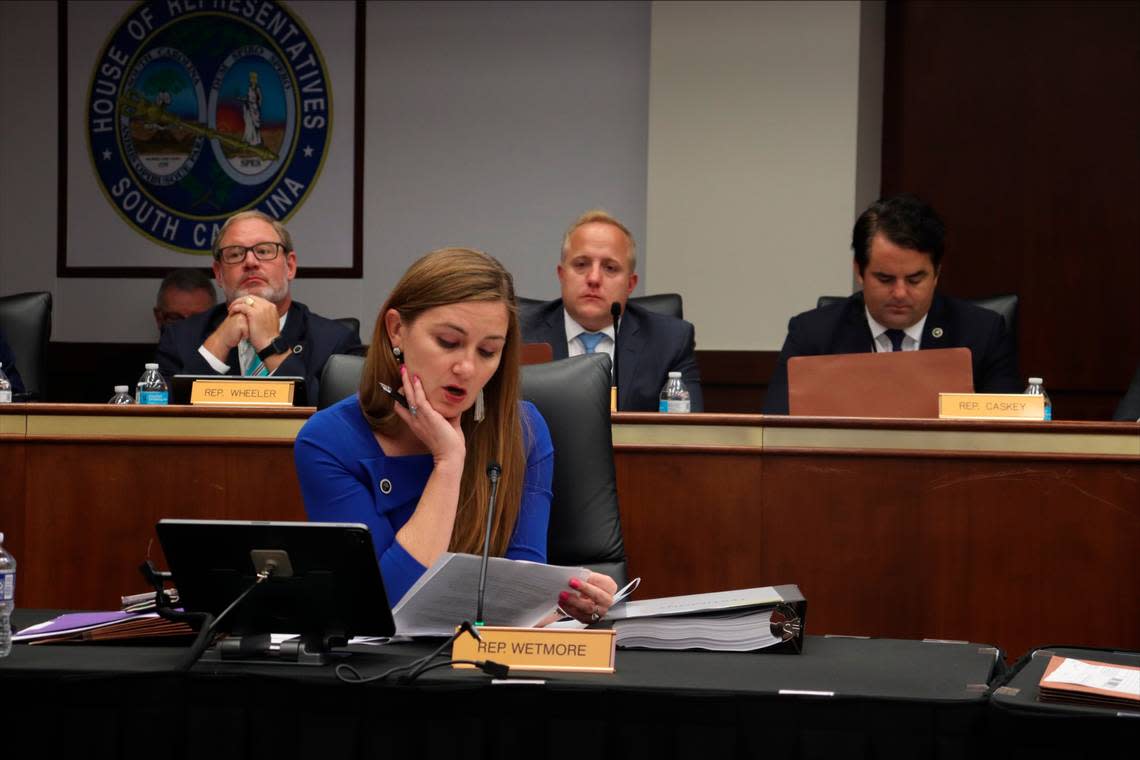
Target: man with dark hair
{"x":597,"y":269}
{"x":183,"y":293}
{"x":259,"y":330}
{"x":898,"y":245}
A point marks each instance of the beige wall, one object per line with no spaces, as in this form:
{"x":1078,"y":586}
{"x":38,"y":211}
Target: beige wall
{"x":764,"y":136}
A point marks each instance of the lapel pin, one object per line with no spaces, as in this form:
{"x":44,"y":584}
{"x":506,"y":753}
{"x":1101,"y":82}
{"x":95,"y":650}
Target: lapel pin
{"x":936,"y":332}
{"x":385,"y":486}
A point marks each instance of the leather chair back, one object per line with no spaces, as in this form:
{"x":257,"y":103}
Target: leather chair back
{"x":573,"y":396}
{"x":1005,"y":305}
{"x":339,"y":379}
{"x":25,"y":319}
{"x":352,"y":323}
{"x":668,"y":304}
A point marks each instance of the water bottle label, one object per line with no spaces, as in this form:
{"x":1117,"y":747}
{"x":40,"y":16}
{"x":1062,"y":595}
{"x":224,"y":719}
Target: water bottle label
{"x":663,"y":406}
{"x":153,"y":397}
{"x":5,"y":396}
{"x":1048,"y":413}
{"x":7,"y":586}
{"x":678,"y":406}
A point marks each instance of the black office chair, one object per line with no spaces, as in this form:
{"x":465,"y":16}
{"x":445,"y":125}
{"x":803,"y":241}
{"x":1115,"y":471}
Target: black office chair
{"x":573,"y":396}
{"x":669,"y":304}
{"x":352,"y":323}
{"x":25,"y":319}
{"x":1005,"y":305}
{"x":339,"y":379}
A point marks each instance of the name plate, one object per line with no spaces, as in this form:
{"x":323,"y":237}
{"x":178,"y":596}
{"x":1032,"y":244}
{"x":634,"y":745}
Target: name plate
{"x":990,"y":406}
{"x":565,"y":650}
{"x":242,"y":393}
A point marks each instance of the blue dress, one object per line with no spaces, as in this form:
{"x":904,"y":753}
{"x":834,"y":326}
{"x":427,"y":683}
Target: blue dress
{"x":346,"y":477}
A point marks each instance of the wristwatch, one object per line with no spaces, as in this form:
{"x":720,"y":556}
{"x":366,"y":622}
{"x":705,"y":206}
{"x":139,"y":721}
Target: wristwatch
{"x":276,"y":346}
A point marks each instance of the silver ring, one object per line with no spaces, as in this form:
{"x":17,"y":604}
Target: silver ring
{"x":413,"y":410}
{"x":595,"y":617}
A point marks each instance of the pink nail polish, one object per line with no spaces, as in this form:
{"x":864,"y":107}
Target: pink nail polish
{"x":563,"y":596}
{"x":575,"y":583}
{"x":403,"y":370}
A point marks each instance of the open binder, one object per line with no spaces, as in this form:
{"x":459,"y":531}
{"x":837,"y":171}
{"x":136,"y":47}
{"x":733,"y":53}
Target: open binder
{"x":767,"y":619}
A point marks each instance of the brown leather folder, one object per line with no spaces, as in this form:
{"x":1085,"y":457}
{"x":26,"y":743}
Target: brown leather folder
{"x":894,"y":384}
{"x":536,"y":353}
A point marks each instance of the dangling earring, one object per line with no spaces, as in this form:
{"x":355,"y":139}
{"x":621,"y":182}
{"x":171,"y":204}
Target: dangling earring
{"x":480,"y":407}
{"x":398,"y":354}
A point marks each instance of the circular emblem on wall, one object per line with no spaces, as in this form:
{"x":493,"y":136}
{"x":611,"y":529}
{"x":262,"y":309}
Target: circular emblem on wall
{"x":200,"y":110}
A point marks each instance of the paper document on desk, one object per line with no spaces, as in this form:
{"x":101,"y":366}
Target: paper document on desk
{"x":518,"y":594}
{"x":697,"y":603}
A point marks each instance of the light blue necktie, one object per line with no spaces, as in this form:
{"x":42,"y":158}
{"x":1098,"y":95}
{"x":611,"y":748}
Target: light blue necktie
{"x":591,"y":340}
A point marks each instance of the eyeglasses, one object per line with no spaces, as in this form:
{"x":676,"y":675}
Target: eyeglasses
{"x":235,"y":254}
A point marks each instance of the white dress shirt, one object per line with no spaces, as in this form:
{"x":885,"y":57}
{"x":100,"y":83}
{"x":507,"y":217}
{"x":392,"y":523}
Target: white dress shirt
{"x":574,"y":346}
{"x":910,"y":342}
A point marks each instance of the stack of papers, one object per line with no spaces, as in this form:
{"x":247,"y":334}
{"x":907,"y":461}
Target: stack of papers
{"x":1090,"y":683}
{"x":101,"y":626}
{"x":723,"y":621}
{"x":722,"y":632}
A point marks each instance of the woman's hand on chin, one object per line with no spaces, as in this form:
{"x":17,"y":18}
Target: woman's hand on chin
{"x":443,"y":437}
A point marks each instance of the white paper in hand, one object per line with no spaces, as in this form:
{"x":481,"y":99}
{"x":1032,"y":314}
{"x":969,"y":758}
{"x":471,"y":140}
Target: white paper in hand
{"x":518,"y":594}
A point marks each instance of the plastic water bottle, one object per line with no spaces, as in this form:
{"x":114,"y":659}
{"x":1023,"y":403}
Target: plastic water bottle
{"x":7,"y":598}
{"x":674,"y":396}
{"x":5,"y":387}
{"x":152,"y":388}
{"x":122,"y":395}
{"x":1037,"y":388}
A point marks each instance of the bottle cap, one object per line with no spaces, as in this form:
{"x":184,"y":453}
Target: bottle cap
{"x":1037,"y":380}
{"x":151,"y":365}
{"x":121,"y":388}
{"x":674,"y":374}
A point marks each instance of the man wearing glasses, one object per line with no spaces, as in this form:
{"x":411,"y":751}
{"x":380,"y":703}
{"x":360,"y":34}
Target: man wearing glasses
{"x":183,"y":293}
{"x":259,"y":330}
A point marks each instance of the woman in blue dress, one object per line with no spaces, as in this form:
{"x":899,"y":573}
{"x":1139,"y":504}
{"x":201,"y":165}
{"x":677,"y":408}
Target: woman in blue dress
{"x":447,"y":340}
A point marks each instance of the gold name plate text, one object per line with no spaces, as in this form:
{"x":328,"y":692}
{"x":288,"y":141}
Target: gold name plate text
{"x":242,"y":393}
{"x":582,"y":651}
{"x":990,"y":406}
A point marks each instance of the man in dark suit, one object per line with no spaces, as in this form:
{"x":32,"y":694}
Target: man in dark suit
{"x":898,"y":244}
{"x":259,"y":330}
{"x":597,"y":269}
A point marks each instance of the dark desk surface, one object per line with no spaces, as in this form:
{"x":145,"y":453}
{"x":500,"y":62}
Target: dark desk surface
{"x":897,"y":698}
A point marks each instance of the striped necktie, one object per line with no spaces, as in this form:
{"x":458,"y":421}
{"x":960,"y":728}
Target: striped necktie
{"x":256,"y":367}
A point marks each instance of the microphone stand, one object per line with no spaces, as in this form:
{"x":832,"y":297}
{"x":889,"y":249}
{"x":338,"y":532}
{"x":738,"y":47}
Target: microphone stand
{"x":615,"y":312}
{"x":493,"y":472}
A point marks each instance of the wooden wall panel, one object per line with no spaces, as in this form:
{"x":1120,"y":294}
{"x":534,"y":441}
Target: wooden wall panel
{"x":1020,"y":123}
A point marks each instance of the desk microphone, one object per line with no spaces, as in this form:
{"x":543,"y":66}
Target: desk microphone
{"x":615,"y":312}
{"x":493,"y":472}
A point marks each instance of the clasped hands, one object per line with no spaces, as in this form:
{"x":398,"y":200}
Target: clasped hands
{"x":251,"y":318}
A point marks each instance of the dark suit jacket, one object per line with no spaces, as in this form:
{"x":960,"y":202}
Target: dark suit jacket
{"x":314,"y":340}
{"x":650,"y":345}
{"x":842,"y":329}
{"x":1129,"y":408}
{"x":8,"y":360}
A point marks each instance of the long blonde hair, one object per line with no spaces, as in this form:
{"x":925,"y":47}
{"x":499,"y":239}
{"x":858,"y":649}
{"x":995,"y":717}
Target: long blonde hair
{"x":443,"y":277}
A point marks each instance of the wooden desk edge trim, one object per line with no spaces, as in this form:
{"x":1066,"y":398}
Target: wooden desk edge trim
{"x":186,"y":440}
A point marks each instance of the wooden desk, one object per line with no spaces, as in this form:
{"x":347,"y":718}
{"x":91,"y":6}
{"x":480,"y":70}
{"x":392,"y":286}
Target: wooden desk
{"x":1017,"y":534}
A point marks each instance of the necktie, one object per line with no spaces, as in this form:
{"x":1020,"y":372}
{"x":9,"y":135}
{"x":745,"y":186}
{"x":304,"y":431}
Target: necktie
{"x":896,"y":337}
{"x":591,"y":340}
{"x":256,"y":367}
